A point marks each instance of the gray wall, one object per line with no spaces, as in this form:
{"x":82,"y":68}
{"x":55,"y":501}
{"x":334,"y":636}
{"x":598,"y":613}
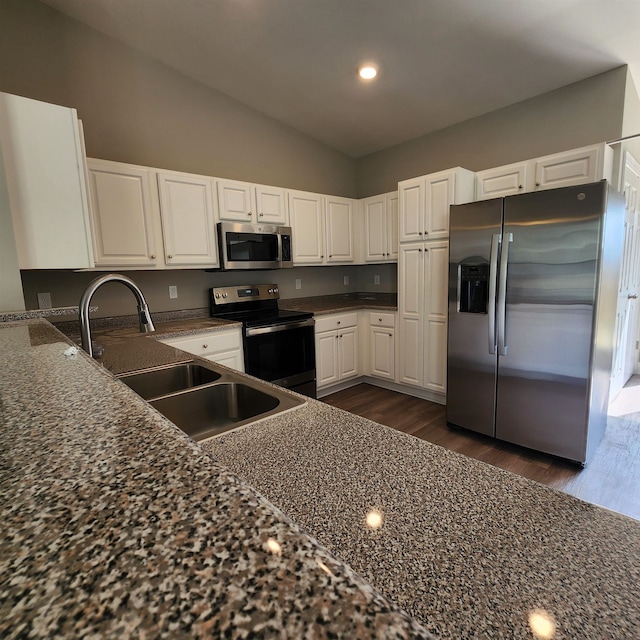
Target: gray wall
{"x":579,"y":114}
{"x":140,"y":111}
{"x":114,"y":299}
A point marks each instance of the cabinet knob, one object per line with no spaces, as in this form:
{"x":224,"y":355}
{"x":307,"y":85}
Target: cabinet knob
{"x":537,"y":184}
{"x":261,"y":214}
{"x":420,"y":250}
{"x":420,"y":233}
{"x":152,"y":256}
{"x":205,"y":346}
{"x":249,"y":214}
{"x":338,"y":322}
{"x":322,"y":256}
{"x":169,"y":257}
{"x":331,"y":255}
{"x":519,"y":186}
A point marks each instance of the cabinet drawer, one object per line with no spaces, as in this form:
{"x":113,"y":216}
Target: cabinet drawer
{"x":382,"y":319}
{"x":338,"y":321}
{"x":207,"y":343}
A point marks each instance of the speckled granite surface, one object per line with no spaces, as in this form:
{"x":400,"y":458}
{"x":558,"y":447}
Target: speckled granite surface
{"x":12,"y":316}
{"x":115,"y":524}
{"x":320,"y":305}
{"x":468,"y":549}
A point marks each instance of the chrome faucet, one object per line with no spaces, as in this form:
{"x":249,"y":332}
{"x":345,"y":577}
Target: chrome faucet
{"x":146,"y":325}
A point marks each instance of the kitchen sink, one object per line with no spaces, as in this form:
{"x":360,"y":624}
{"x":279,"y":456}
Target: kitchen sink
{"x":160,"y":381}
{"x":204,"y":401}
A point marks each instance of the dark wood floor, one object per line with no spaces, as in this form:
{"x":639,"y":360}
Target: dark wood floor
{"x":611,"y":479}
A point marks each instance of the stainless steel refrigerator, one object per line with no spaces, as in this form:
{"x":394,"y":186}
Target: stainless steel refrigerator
{"x":533,"y":282}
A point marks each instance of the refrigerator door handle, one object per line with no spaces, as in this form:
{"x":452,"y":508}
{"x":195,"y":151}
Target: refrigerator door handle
{"x":491,"y":302}
{"x":507,"y":238}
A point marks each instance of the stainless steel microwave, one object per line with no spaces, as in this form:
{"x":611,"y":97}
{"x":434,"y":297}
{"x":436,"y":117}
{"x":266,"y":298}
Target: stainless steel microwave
{"x":254,"y":246}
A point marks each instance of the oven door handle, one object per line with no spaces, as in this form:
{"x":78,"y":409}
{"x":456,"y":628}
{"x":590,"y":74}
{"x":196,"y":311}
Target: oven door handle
{"x":274,"y":328}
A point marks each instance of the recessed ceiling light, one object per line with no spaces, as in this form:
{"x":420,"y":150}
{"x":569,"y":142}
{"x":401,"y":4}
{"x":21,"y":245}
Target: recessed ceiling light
{"x":368,"y":71}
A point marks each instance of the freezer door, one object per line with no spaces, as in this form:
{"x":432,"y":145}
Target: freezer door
{"x":471,"y":356}
{"x":551,"y":275}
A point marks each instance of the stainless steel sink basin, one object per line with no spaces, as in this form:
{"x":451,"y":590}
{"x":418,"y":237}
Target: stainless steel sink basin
{"x":204,"y":401}
{"x":160,"y":381}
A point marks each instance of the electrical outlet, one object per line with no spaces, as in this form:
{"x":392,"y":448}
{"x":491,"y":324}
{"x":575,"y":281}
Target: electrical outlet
{"x":346,"y":279}
{"x":44,"y":300}
{"x":376,"y":279}
{"x":173,"y":291}
{"x":298,"y":283}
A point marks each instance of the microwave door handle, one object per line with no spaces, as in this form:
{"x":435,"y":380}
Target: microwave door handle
{"x":501,"y":310}
{"x":491,"y":302}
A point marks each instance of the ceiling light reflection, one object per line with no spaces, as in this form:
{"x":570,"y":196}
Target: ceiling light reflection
{"x":374,"y":519}
{"x":324,"y":567}
{"x":542,"y":624}
{"x":274,"y":546}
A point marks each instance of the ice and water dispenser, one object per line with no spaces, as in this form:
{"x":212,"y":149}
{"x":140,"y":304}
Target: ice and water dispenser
{"x":474,"y":288}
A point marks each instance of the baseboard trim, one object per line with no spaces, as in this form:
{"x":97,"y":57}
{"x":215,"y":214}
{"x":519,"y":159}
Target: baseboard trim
{"x":416,"y":392}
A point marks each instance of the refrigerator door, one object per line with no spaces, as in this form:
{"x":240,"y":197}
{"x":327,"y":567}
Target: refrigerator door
{"x":474,"y":230}
{"x":546,"y":336}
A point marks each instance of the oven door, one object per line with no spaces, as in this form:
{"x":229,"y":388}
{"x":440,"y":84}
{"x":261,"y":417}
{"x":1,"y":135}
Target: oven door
{"x":284,"y":354}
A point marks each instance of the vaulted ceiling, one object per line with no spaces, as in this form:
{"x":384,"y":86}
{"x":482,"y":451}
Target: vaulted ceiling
{"x":441,"y":61}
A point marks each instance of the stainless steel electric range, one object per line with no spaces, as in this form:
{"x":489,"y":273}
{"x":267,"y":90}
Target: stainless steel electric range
{"x":279,"y":345}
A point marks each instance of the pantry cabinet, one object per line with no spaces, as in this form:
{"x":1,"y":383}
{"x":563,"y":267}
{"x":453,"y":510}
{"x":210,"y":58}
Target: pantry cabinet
{"x":223,"y":346}
{"x":422,"y":323}
{"x":577,"y":166}
{"x":250,"y":203}
{"x":424,"y":203}
{"x":42,"y":159}
{"x":381,"y":227}
{"x":336,"y":348}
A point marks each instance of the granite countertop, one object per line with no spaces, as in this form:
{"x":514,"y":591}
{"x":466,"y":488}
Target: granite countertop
{"x":116,"y":524}
{"x":320,"y":305}
{"x":119,"y":524}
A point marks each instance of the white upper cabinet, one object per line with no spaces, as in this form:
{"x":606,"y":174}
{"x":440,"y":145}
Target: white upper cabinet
{"x":381,"y":227}
{"x":577,"y":166}
{"x":188,"y":219}
{"x":245,"y":202}
{"x":148,"y":218}
{"x":339,"y":227}
{"x":43,"y":160}
{"x":322,"y":228}
{"x":125,"y":214}
{"x":424,"y":203}
{"x":306,"y":212}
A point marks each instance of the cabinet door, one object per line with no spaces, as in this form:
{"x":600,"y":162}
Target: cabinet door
{"x":435,"y":325}
{"x":411,"y":312}
{"x":231,"y":359}
{"x":411,"y":197}
{"x":43,"y":160}
{"x":392,"y":226}
{"x":382,"y":352}
{"x":124,"y":212}
{"x":565,"y":169}
{"x":235,"y":201}
{"x":502,"y":181}
{"x":327,"y":358}
{"x":271,"y":205}
{"x":348,"y":353}
{"x":339,"y":224}
{"x":375,"y":221}
{"x":307,"y":229}
{"x":439,"y":194}
{"x":188,"y":224}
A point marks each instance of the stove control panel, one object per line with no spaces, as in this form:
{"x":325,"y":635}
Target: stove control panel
{"x":240,"y":294}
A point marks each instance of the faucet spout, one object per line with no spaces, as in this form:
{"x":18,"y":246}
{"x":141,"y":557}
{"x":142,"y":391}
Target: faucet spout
{"x":146,"y":324}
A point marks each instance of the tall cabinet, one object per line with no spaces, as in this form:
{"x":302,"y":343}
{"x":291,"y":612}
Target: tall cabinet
{"x":423,"y":275}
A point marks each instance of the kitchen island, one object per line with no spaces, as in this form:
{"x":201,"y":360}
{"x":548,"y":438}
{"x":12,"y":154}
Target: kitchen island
{"x":116,"y":523}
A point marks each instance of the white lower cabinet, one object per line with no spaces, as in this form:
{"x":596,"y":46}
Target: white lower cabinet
{"x":422,"y":311}
{"x":382,"y":348}
{"x":336,"y":348}
{"x":223,"y":347}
